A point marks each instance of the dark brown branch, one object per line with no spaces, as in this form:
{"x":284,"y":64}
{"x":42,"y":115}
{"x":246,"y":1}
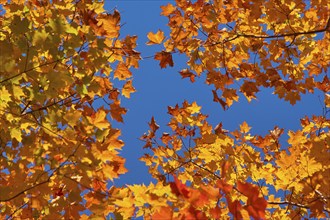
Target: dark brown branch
{"x":25,"y":190}
{"x":294,"y":34}
{"x":25,"y":71}
{"x":16,"y":210}
{"x":294,"y":204}
{"x":47,"y":106}
{"x":86,"y":187}
{"x":282,"y":35}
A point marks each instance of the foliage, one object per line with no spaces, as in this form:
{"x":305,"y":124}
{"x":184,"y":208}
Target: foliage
{"x":60,"y":151}
{"x":58,"y":59}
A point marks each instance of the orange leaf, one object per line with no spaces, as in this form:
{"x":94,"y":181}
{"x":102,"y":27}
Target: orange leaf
{"x":163,"y":213}
{"x":215,"y":212}
{"x":167,"y":9}
{"x":128,"y":89}
{"x":122,"y":72}
{"x":244,"y":127}
{"x":156,"y":38}
{"x":117,"y":111}
{"x":225,"y":187}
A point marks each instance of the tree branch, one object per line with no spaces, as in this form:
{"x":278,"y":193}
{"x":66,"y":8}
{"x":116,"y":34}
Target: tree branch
{"x":294,"y":34}
{"x":28,"y":70}
{"x":47,"y":106}
{"x":43,"y":182}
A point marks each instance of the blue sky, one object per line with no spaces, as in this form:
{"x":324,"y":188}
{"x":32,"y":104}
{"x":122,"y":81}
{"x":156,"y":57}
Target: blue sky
{"x":158,"y":88}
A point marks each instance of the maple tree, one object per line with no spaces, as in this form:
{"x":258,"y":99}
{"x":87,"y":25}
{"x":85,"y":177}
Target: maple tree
{"x":60,"y":150}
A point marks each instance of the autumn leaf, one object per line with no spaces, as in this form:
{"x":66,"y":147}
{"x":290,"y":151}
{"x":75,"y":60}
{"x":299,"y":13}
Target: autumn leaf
{"x":256,"y":205}
{"x":65,"y":65}
{"x":156,"y":38}
{"x":194,"y":108}
{"x":99,"y":119}
{"x":128,"y":89}
{"x":163,"y":213}
{"x":122,"y":72}
{"x":179,"y":188}
{"x":244,"y":127}
{"x":153,"y":126}
{"x":235,"y":208}
{"x":167,"y":9}
{"x":165,"y":59}
{"x":219,"y":100}
{"x":117,"y":111}
{"x":187,"y":74}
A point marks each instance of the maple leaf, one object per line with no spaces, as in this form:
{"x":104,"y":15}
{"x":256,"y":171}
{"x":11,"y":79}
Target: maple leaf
{"x":153,"y":125}
{"x":165,"y":59}
{"x":163,"y":213}
{"x":244,"y":127}
{"x":167,"y":9}
{"x":256,"y":205}
{"x":193,"y":108}
{"x":99,"y":119}
{"x":122,"y":72}
{"x":57,"y":59}
{"x":179,"y":188}
{"x":156,"y":38}
{"x":219,"y":100}
{"x":128,"y":89}
{"x":234,"y":208}
{"x":117,"y":111}
{"x":187,"y":74}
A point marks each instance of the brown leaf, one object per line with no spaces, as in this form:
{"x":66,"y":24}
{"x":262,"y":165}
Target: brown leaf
{"x":188,"y":74}
{"x":219,"y":100}
{"x":117,"y":111}
{"x":165,"y":59}
{"x":153,"y":125}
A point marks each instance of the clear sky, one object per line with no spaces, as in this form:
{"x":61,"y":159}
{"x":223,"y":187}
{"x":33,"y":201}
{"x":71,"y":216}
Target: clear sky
{"x":158,"y":88}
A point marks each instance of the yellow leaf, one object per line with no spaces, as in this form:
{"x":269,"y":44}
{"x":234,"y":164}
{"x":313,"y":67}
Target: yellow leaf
{"x":128,"y":89}
{"x":156,"y":38}
{"x":99,"y":119}
{"x":4,"y":97}
{"x":244,"y":127}
{"x":16,"y":133}
{"x":194,"y":108}
{"x":296,"y":138}
{"x":72,"y":117}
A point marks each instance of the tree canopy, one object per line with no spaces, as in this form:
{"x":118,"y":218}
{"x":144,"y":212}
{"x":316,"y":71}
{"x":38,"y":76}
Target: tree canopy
{"x":65,"y":69}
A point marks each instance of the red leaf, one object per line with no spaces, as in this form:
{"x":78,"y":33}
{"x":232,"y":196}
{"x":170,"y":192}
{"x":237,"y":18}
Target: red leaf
{"x":193,"y":213}
{"x":179,"y":188}
{"x":256,"y":205}
{"x":234,"y":208}
{"x":225,"y":187}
